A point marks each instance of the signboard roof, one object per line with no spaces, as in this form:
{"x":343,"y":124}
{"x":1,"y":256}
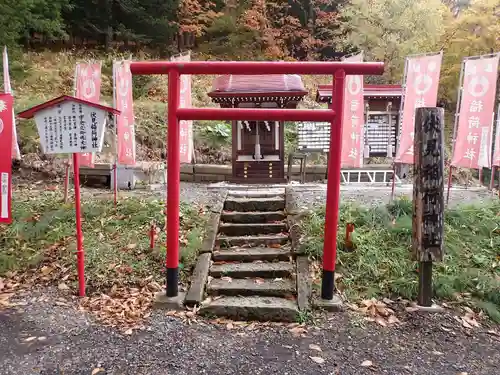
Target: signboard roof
{"x":29,"y":113}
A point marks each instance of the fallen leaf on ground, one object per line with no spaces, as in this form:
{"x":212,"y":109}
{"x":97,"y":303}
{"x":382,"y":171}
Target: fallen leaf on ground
{"x":62,"y":286}
{"x":315,"y":347}
{"x":381,"y":321}
{"x":318,"y":360}
{"x":128,"y":331}
{"x":471,"y":320}
{"x":229,"y":326}
{"x":435,"y":352}
{"x":131,"y":246}
{"x":42,"y":338}
{"x":468,"y":321}
{"x":30,"y":339}
{"x":367,"y":363}
{"x":227,"y":278}
{"x":46,"y":270}
{"x":97,"y":370}
{"x":297,"y":331}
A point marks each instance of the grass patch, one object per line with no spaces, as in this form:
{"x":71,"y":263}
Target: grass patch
{"x":381,"y":265}
{"x":116,"y":242}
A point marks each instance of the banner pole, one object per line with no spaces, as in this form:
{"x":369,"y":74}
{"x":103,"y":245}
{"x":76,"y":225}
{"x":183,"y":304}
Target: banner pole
{"x":115,"y":169}
{"x":399,"y":127}
{"x":80,"y":256}
{"x":393,"y":181}
{"x":492,"y":177}
{"x":66,"y":173}
{"x":455,"y":128}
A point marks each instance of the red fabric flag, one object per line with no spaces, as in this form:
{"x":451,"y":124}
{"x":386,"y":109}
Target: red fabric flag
{"x":124,"y":121}
{"x":6,"y":124}
{"x":352,"y":123}
{"x":88,"y":87}
{"x":186,"y":127}
{"x":421,"y":88}
{"x":473,"y":138}
{"x":7,"y":88}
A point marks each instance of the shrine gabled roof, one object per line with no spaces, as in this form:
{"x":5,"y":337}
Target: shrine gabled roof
{"x":29,"y":113}
{"x":276,"y":85}
{"x":324,"y":93}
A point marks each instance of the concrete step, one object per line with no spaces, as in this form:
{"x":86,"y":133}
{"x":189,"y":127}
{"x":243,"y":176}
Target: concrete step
{"x":250,"y":254}
{"x":253,"y":308}
{"x":254,"y":204}
{"x":252,"y":217}
{"x":238,"y":229}
{"x":257,"y":193}
{"x":241,"y":270}
{"x":267,"y":240}
{"x":248,"y":287}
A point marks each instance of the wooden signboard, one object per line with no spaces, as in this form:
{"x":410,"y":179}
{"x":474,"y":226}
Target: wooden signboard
{"x":428,"y":187}
{"x":71,"y":127}
{"x":428,"y":195}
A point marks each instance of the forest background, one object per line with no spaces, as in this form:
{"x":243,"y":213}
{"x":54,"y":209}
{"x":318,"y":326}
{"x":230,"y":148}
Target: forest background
{"x":46,"y":38}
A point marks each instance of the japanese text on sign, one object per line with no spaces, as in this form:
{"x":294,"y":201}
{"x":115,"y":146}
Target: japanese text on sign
{"x":353,"y":115}
{"x":5,"y":196}
{"x":71,"y":128}
{"x":428,"y":190}
{"x":473,"y":140}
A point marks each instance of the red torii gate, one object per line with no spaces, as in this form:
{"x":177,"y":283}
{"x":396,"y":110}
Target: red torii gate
{"x":334,"y":115}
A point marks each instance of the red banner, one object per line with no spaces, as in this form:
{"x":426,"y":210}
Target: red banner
{"x":186,"y":127}
{"x":421,"y":89}
{"x":496,"y":153}
{"x":473,"y":138}
{"x":7,"y":88}
{"x":122,"y":88}
{"x":88,"y":87}
{"x":6,"y":124}
{"x":353,"y":119}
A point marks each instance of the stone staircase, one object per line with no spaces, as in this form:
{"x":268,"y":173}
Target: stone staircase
{"x":252,"y":275}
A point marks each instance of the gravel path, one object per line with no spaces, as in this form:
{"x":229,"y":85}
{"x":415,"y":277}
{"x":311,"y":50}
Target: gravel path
{"x":308,"y":198}
{"x":47,"y":339}
{"x":305,"y":197}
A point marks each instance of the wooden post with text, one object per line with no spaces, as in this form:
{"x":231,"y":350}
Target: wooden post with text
{"x":428,"y":197}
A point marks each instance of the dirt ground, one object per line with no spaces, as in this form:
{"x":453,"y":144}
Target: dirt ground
{"x":45,"y":336}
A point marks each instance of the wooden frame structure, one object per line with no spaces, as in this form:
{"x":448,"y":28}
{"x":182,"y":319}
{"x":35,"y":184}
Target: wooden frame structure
{"x":258,"y":147}
{"x":382,"y":112}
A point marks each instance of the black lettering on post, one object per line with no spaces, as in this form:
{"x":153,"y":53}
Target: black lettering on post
{"x":428,"y":196}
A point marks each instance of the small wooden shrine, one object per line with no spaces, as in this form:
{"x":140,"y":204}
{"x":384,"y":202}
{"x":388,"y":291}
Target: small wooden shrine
{"x":382,"y":105}
{"x":258,"y":147}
